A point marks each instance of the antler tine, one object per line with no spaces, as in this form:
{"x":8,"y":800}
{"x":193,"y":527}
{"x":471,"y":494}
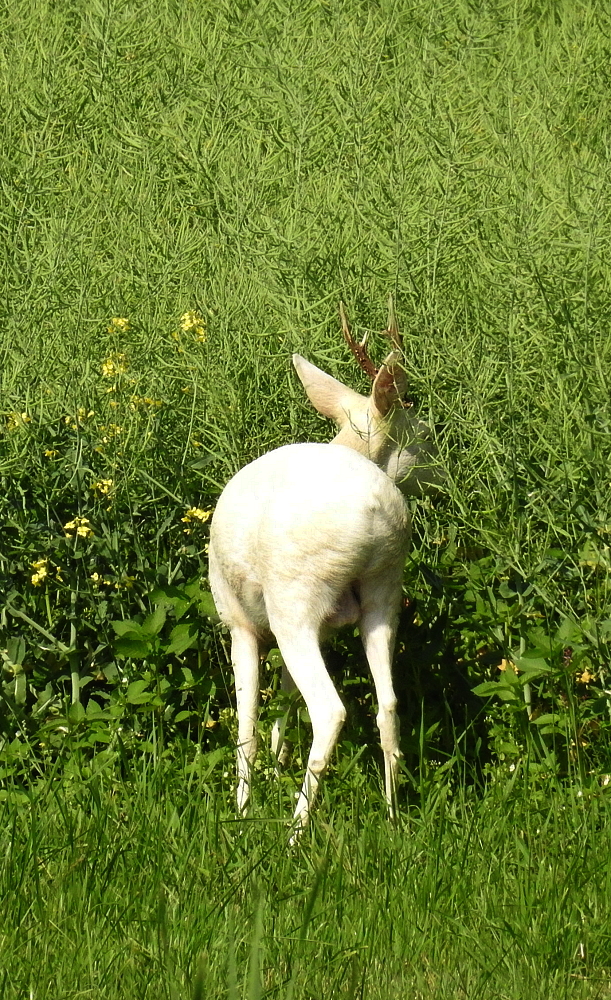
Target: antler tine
{"x":358,"y":350}
{"x":393,"y":328}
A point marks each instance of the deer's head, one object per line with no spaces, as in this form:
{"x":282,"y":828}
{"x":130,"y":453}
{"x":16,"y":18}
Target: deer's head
{"x":380,"y":426}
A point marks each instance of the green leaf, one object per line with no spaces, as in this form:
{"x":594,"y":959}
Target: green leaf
{"x":552,"y":730}
{"x":193,"y":588}
{"x":76,"y":713}
{"x":137,"y":694}
{"x":188,"y":678}
{"x":179,"y":599}
{"x":509,"y":694}
{"x":129,"y":628}
{"x":15,"y":648}
{"x":506,"y":688}
{"x":153,"y":623}
{"x":568,"y":632}
{"x":549,"y":718}
{"x":274,"y":658}
{"x":202,"y":463}
{"x":486,"y":689}
{"x":532,"y":665}
{"x":95,"y":710}
{"x":182,"y":637}
{"x":542,"y":643}
{"x":181,"y":608}
{"x":136,"y":648}
{"x":21,"y":687}
{"x":101,"y":611}
{"x":99,"y":736}
{"x":207,"y":605}
{"x":168,"y":595}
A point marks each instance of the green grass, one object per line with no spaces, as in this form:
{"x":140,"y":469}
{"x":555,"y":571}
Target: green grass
{"x":255,"y":163}
{"x":260,"y":161}
{"x":145,"y":885}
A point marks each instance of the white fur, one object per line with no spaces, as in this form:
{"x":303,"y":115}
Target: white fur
{"x":313,"y":536}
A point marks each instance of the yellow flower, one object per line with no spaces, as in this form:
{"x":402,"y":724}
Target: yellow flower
{"x":188,"y":321}
{"x":193,"y":515}
{"x":80,"y":525}
{"x":82,"y":414}
{"x":110,"y":431}
{"x":118,"y":324}
{"x":16,"y":420}
{"x":145,"y":401}
{"x":192,"y":322}
{"x":115,"y":364}
{"x":50,"y":453}
{"x":103,"y":486}
{"x":41,"y":571}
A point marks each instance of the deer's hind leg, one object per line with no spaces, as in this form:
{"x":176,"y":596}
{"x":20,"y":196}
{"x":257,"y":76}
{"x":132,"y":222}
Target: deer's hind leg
{"x":301,"y":652}
{"x":245,"y":660}
{"x":380,"y":599}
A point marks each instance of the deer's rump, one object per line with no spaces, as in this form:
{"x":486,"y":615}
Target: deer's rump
{"x":303,"y":526}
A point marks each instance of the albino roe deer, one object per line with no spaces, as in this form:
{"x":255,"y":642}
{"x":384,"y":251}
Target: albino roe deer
{"x":314,"y":536}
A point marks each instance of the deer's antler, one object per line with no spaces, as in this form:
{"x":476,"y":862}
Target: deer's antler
{"x":359,"y":350}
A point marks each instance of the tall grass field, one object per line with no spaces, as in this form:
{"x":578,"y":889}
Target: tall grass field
{"x":188,"y":191}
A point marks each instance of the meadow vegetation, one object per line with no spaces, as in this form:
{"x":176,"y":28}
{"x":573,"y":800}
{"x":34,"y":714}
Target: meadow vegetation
{"x":187,"y":192}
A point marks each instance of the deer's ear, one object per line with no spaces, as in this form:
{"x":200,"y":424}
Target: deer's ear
{"x":331,"y":398}
{"x":390,"y":384}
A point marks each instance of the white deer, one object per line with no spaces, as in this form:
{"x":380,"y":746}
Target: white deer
{"x":314,"y":536}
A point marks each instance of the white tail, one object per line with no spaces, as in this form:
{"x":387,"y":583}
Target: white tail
{"x":314,"y":536}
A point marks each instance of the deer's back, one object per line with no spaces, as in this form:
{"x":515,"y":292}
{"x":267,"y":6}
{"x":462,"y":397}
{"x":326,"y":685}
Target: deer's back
{"x":305,"y":519}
